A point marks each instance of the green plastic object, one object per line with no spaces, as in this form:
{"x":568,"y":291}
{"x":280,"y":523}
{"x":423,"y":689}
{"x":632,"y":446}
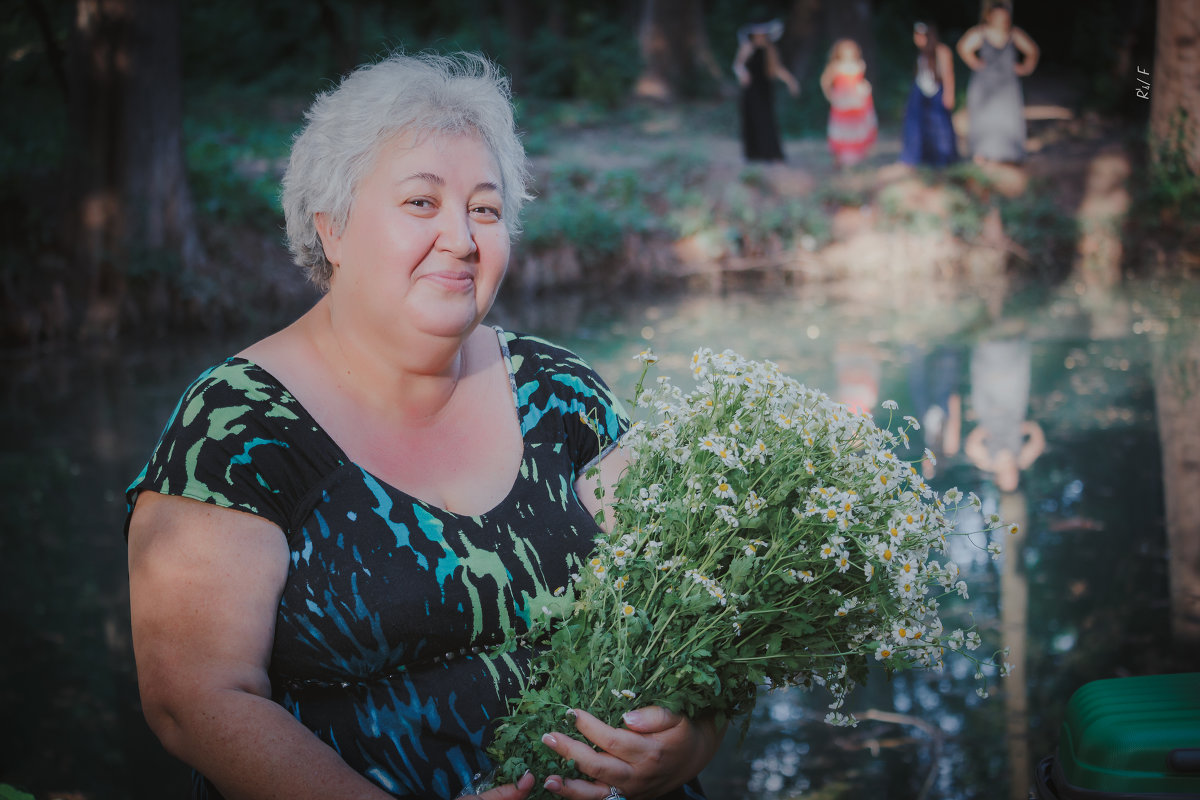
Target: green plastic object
{"x":1135,"y":736}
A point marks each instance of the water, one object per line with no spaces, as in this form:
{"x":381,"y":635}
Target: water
{"x":1081,"y":594}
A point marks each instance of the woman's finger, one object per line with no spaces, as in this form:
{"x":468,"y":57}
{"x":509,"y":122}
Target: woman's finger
{"x":509,"y":791}
{"x":627,"y":745}
{"x":618,"y":750}
{"x":574,"y":789}
{"x":651,"y":719}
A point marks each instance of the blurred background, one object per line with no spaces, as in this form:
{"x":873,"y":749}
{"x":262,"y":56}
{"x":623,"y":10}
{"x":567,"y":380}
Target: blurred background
{"x":1053,"y":301}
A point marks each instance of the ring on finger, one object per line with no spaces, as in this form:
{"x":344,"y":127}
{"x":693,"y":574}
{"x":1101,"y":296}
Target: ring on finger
{"x":614,"y":794}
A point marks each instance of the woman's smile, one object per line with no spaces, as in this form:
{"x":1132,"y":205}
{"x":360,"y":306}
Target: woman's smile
{"x":452,"y":280}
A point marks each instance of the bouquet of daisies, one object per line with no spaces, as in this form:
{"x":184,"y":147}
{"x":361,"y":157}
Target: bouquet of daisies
{"x":764,"y":535}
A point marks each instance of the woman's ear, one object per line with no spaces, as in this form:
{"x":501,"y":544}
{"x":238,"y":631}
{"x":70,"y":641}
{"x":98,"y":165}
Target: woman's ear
{"x":331,"y":238}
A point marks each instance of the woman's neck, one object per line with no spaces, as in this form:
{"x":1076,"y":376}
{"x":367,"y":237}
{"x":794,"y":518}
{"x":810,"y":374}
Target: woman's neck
{"x":411,"y":380}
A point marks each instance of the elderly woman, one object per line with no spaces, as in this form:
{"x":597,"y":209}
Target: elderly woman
{"x":341,"y":520}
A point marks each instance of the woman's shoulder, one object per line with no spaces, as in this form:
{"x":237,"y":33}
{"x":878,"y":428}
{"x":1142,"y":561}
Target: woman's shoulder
{"x":237,"y":381}
{"x":971,"y":35}
{"x":529,"y":351}
{"x":1020,"y":36}
{"x":238,"y":439}
{"x":541,"y":367}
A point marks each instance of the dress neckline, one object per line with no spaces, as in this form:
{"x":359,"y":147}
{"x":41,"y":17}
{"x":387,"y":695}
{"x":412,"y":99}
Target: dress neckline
{"x":345,"y":459}
{"x":1004,"y":46}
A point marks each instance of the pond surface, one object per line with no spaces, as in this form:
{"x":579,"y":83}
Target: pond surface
{"x":1080,"y":594}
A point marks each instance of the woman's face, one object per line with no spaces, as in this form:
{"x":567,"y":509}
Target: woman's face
{"x":425,"y":245}
{"x":919,"y":40}
{"x":999,"y":18}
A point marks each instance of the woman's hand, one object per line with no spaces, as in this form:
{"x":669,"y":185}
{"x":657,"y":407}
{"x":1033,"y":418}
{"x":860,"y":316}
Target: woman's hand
{"x":509,"y":791}
{"x":655,"y":752}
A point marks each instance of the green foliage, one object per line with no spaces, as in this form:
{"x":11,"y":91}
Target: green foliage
{"x":591,"y":211}
{"x":1174,"y":187}
{"x":12,"y":793}
{"x":597,"y":61}
{"x":274,"y":46}
{"x":1038,"y":224}
{"x":236,"y":157}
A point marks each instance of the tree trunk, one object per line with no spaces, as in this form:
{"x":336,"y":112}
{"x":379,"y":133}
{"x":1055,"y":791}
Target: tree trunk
{"x":1174,"y":82}
{"x":802,"y":37}
{"x":134,"y":210}
{"x":677,"y":60}
{"x":54,"y":55}
{"x":516,"y":40}
{"x":344,"y":40}
{"x":852,"y":20}
{"x":1177,"y":394}
{"x":99,"y":45}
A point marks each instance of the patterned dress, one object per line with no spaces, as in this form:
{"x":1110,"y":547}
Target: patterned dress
{"x":853,"y":125}
{"x":390,"y":602}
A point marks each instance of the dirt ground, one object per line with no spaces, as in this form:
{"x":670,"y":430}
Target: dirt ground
{"x":1083,"y":164}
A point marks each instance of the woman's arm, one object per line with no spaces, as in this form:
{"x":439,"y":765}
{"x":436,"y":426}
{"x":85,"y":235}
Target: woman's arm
{"x":967,"y":46}
{"x":739,"y":63}
{"x":204,"y":586}
{"x":945,"y":74}
{"x":975,"y":448}
{"x":609,"y":472}
{"x":204,"y":589}
{"x":1033,"y":446}
{"x":781,"y":72}
{"x":827,"y":81}
{"x":1028,"y":48}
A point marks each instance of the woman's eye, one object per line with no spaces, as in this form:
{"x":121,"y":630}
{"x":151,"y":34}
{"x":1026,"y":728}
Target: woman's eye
{"x":421,"y":202}
{"x":488,"y":211}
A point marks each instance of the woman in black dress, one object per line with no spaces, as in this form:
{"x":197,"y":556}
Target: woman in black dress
{"x":757,"y":62}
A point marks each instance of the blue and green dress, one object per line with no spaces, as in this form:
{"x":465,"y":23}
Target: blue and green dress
{"x":391,"y":603}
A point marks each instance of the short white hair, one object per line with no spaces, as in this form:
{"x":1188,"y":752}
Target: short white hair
{"x":417,"y":94}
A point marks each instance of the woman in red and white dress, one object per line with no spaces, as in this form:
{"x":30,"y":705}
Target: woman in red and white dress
{"x":853,"y":125}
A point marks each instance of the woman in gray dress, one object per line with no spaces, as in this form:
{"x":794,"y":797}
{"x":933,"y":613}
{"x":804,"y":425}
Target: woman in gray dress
{"x":994,"y":101}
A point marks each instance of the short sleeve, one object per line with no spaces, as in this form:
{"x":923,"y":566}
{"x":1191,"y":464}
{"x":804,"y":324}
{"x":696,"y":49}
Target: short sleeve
{"x":552,"y":378}
{"x":233,"y":441}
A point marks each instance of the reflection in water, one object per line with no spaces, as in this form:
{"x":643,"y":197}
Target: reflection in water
{"x":1014,"y":625}
{"x":933,"y":385}
{"x":1004,"y":442}
{"x":858,"y":372}
{"x":1177,"y":375}
{"x":1091,"y":559}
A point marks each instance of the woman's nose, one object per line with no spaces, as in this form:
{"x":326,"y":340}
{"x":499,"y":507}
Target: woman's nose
{"x":456,"y":236}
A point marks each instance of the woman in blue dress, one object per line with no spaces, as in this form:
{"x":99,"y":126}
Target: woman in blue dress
{"x":929,"y":137}
{"x":341,"y":522}
{"x":999,"y":55}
